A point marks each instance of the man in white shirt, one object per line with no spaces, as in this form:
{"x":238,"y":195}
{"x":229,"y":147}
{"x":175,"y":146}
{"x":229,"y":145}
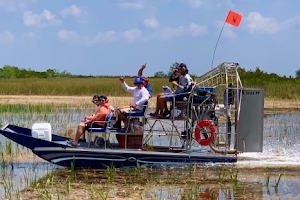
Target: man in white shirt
{"x":140,"y":96}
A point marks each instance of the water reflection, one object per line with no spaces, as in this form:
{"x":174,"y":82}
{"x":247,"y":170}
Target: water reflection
{"x":16,"y":176}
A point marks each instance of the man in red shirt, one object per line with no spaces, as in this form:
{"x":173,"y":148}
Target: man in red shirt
{"x":100,"y":114}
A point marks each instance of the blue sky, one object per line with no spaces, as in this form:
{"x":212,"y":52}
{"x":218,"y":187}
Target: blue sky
{"x":115,"y":37}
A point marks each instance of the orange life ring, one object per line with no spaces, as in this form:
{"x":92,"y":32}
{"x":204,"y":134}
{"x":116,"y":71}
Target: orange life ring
{"x":202,"y":124}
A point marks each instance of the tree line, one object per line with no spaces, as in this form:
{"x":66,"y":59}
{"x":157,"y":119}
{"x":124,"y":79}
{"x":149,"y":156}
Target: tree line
{"x":14,"y":72}
{"x":256,"y":77}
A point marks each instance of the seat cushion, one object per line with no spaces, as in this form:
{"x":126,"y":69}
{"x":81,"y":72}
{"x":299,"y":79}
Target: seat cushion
{"x":135,"y":114}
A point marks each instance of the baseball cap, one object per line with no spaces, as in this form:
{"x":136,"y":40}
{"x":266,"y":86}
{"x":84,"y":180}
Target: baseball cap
{"x":181,"y":65}
{"x":138,"y":79}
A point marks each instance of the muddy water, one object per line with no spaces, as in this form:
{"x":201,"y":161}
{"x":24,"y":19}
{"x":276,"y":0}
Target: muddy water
{"x":273,"y":174}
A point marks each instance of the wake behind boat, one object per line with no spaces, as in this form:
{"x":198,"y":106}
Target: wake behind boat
{"x":199,"y":130}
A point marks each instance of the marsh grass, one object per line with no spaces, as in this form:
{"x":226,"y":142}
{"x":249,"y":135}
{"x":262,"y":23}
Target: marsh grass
{"x":36,"y":109}
{"x":146,"y":182}
{"x":4,"y":164}
{"x":73,"y":86}
{"x":8,"y":188}
{"x":277,"y":183}
{"x":267,"y":180}
{"x":18,"y":195}
{"x":131,"y":179}
{"x":110,"y":172}
{"x":70,"y":133}
{"x":112,"y":87}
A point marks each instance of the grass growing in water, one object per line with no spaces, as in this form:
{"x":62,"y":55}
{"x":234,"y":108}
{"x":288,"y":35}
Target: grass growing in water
{"x":153,"y":183}
{"x":110,"y":172}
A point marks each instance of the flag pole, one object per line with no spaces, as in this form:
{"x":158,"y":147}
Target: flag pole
{"x":212,"y":62}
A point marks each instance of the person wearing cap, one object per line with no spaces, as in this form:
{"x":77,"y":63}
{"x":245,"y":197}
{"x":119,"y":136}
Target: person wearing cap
{"x":140,"y":96}
{"x":175,"y":75}
{"x":86,"y":123}
{"x":184,"y":82}
{"x":145,"y":80}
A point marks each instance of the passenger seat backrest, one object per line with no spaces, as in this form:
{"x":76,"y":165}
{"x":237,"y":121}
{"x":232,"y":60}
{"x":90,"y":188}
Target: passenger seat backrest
{"x":189,"y":88}
{"x":107,"y":119}
{"x":145,"y":106}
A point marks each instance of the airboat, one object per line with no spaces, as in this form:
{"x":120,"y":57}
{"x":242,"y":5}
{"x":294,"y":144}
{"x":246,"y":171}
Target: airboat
{"x":212,"y":123}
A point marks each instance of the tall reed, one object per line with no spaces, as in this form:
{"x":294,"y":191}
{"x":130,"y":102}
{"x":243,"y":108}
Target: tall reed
{"x":284,"y":89}
{"x":73,"y":86}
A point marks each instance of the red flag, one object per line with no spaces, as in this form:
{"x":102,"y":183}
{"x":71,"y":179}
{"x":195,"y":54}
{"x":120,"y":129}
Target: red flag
{"x":233,"y":18}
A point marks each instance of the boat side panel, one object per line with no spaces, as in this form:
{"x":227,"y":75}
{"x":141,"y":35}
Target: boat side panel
{"x":28,"y":141}
{"x":87,"y":159}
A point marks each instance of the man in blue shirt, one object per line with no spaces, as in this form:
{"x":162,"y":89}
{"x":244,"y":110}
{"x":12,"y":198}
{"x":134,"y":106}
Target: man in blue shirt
{"x":145,"y":80}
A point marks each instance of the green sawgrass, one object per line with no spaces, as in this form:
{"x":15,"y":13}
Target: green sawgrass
{"x":282,"y":89}
{"x":73,"y":86}
{"x":41,"y":108}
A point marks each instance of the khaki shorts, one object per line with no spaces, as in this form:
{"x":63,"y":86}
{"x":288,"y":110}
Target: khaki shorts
{"x":124,"y":111}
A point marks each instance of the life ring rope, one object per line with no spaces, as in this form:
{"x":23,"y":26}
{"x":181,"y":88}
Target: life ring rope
{"x":201,"y":125}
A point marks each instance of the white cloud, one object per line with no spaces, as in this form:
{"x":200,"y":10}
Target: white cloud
{"x":133,"y":34}
{"x":135,"y":5}
{"x":39,"y":20}
{"x":6,"y":36}
{"x":255,"y":22}
{"x":151,"y":22}
{"x":31,"y":34}
{"x":227,"y":30}
{"x":291,"y":22}
{"x":66,"y":35}
{"x":193,"y":29}
{"x":195,"y":3}
{"x":197,"y":30}
{"x":168,"y":33}
{"x":73,"y":10}
{"x":13,"y":5}
{"x":101,"y":37}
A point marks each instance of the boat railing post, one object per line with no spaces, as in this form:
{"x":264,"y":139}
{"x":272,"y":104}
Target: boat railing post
{"x":172,"y":118}
{"x":127,"y":127}
{"x":190,"y":105}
